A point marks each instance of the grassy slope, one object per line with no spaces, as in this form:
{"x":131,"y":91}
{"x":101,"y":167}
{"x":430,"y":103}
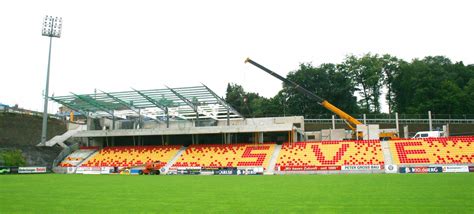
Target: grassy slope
{"x":53,"y":193}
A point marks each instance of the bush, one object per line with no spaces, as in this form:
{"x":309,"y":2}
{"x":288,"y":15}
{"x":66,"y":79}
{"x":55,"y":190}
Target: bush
{"x":12,"y":158}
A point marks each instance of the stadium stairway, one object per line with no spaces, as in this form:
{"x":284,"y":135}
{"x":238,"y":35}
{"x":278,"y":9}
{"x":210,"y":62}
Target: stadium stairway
{"x":387,"y":154}
{"x":173,"y":160}
{"x":59,"y":139}
{"x":271,"y":166}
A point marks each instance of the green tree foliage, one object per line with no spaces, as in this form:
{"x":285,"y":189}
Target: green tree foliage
{"x":433,"y":84}
{"x":326,"y":81}
{"x":249,"y":104}
{"x":390,"y":69}
{"x":12,"y":158}
{"x":430,"y":84}
{"x":367,"y":74}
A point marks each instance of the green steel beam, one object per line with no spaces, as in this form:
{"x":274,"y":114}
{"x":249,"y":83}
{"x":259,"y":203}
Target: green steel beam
{"x":129,"y":106}
{"x":184,"y":99}
{"x":85,"y":113}
{"x":151,"y":100}
{"x":93,"y":102}
{"x":222,"y":102}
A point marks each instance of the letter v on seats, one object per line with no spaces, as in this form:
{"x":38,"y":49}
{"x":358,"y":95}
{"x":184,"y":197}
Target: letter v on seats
{"x":317,"y":149}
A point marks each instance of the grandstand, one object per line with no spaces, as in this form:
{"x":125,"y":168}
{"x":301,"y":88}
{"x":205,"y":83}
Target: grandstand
{"x":453,"y":150}
{"x":234,"y":155}
{"x":192,"y":127}
{"x":78,"y":156}
{"x":127,"y":156}
{"x":306,"y":155}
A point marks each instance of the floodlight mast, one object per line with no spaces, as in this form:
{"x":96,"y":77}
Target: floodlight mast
{"x":51,"y":28}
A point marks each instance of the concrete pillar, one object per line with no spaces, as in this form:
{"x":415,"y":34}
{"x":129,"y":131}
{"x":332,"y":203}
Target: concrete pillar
{"x":260,"y":137}
{"x":113,"y":120}
{"x":228,"y":117}
{"x":90,"y":123}
{"x":333,"y":122}
{"x":405,"y":132}
{"x":429,"y":120}
{"x":397,"y":124}
{"x":295,"y":135}
{"x":446,"y":130}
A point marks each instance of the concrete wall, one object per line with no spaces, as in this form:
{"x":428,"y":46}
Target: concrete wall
{"x":297,"y":120}
{"x":20,"y":129}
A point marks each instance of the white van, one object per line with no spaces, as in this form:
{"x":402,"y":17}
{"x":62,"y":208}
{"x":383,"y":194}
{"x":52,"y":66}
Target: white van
{"x":427,"y":134}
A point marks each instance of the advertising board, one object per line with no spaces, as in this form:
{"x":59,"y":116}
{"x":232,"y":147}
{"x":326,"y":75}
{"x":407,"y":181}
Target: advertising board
{"x":71,"y":170}
{"x":250,"y":171}
{"x":360,"y":167}
{"x":188,"y":170}
{"x":106,"y":170}
{"x":4,"y":170}
{"x":455,"y":169}
{"x":421,"y":169}
{"x":33,"y":169}
{"x":226,"y":171}
{"x":391,"y":168}
{"x":88,"y":170}
{"x":471,"y":168}
{"x":309,"y":168}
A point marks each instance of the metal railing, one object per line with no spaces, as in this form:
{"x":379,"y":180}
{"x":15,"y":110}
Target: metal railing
{"x":392,"y":121}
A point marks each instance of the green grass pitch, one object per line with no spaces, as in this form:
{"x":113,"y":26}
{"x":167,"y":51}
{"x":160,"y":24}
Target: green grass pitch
{"x":357,"y":193}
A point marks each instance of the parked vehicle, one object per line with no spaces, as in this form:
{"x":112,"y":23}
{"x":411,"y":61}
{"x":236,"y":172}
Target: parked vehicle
{"x":426,"y":134}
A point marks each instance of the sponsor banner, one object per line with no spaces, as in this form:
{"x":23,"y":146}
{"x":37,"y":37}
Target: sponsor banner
{"x":309,"y":168}
{"x":207,"y":172}
{"x":455,"y":169}
{"x":88,"y":170}
{"x":14,"y":170}
{"x":34,"y":169}
{"x":4,"y":170}
{"x":250,"y":171}
{"x":391,"y":168}
{"x":188,"y":170}
{"x":71,"y":170}
{"x":226,"y":171}
{"x":135,"y":171}
{"x":471,"y":168}
{"x":421,"y":169}
{"x":360,"y":167}
{"x":172,"y":171}
{"x":106,"y":170}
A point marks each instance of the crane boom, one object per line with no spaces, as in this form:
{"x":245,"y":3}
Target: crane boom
{"x":350,"y":121}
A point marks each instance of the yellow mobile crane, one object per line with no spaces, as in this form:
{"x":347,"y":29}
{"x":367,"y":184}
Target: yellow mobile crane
{"x":349,"y":120}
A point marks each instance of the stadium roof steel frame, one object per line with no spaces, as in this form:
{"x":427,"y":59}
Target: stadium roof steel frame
{"x":188,"y":103}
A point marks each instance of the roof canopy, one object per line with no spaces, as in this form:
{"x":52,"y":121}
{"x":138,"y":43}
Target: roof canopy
{"x":178,"y":103}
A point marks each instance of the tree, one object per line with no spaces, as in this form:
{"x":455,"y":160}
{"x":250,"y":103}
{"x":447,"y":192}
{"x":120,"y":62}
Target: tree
{"x":326,"y":81}
{"x":390,"y":69}
{"x":366,"y":73}
{"x":433,"y":84}
{"x":248,"y":104}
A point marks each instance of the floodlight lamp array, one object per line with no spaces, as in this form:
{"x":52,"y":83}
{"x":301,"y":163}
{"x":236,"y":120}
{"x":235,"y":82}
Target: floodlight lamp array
{"x":52,"y":26}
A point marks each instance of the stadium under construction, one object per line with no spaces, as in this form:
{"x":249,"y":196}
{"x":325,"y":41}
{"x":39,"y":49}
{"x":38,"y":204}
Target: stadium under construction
{"x":191,"y":130}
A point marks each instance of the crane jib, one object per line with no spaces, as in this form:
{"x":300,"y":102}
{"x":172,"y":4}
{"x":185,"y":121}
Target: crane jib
{"x":295,"y":85}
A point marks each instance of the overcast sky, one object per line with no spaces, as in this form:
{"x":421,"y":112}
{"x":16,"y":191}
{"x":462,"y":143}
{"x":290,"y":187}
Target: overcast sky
{"x":116,"y":45}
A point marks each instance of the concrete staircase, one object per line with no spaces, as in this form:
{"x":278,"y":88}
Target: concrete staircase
{"x":173,"y":160}
{"x":271,"y":166}
{"x":387,"y":155}
{"x":60,"y":139}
